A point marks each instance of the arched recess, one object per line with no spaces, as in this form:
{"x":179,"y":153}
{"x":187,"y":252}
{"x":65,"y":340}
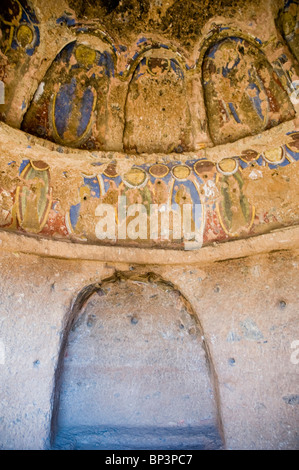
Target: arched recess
{"x":157,"y":115}
{"x":243,"y":94}
{"x":134,"y":371}
{"x":70,"y":104}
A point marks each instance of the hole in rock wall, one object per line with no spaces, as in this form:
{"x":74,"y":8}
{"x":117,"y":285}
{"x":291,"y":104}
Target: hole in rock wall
{"x":136,"y":373}
{"x":288,"y":24}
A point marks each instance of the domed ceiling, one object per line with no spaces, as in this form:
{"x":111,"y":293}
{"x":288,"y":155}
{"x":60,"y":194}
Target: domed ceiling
{"x":148,"y":123}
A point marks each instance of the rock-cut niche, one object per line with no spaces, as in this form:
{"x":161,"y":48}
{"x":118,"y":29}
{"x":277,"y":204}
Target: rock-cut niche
{"x":136,"y":373}
{"x":288,"y":24}
{"x":243,"y":94}
{"x":69,"y":106}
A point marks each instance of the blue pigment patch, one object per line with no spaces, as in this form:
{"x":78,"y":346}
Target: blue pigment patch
{"x":65,"y":54}
{"x":74,"y":214}
{"x":189,"y":185}
{"x":177,"y":69}
{"x":243,"y":164}
{"x":86,"y":111}
{"x":107,"y":61}
{"x":23,"y":165}
{"x":260,"y":161}
{"x":29,"y":16}
{"x":234,"y":112}
{"x":226,"y":70}
{"x":67,"y":19}
{"x":293,"y":154}
{"x":256,"y":101}
{"x":107,"y":180}
{"x":135,"y":56}
{"x":63,"y":106}
{"x":141,"y":40}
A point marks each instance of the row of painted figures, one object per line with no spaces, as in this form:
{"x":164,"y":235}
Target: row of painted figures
{"x":216,"y":191}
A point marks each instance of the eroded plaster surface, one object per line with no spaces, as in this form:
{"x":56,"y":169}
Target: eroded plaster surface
{"x":149,"y":112}
{"x":250,"y":338}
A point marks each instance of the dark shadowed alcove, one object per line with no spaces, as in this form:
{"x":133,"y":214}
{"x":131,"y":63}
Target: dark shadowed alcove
{"x":135,"y":372}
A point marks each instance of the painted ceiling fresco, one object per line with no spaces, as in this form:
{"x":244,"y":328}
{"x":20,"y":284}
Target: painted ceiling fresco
{"x":20,"y":27}
{"x":288,"y":22}
{"x":151,"y":99}
{"x":70,"y":98}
